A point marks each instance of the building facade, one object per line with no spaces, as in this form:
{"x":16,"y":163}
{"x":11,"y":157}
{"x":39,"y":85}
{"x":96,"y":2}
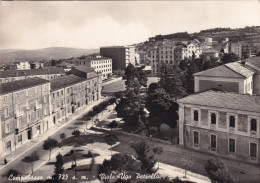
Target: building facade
{"x":22,"y":65}
{"x":24,"y":113}
{"x":47,"y":73}
{"x":231,"y":77}
{"x":70,"y":93}
{"x":224,"y":124}
{"x":121,"y":56}
{"x":98,"y":63}
{"x":236,"y":48}
{"x":187,"y":51}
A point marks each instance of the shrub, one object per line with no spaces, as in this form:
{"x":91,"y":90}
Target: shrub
{"x":112,"y":100}
{"x":89,"y":155}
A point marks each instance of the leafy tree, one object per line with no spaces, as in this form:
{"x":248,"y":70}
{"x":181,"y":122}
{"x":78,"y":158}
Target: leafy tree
{"x":143,"y":152}
{"x":112,"y":125}
{"x":62,"y":137}
{"x":158,"y":151}
{"x":258,"y":54}
{"x":171,"y":80}
{"x":119,"y":163}
{"x":31,"y":159}
{"x":217,"y":171}
{"x":130,"y":105}
{"x":229,"y":57}
{"x":158,"y":103}
{"x":50,"y":144}
{"x":58,"y":168}
{"x":14,"y":173}
{"x":76,"y":133}
{"x":111,"y":140}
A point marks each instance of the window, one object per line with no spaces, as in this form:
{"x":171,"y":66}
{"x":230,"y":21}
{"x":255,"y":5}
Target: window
{"x":18,"y":122}
{"x":45,"y":110}
{"x":253,"y":126}
{"x":253,"y":150}
{"x":5,"y":99}
{"x":53,"y":95}
{"x":27,"y":105}
{"x":213,"y":118}
{"x":7,"y":127}
{"x":196,"y":115}
{"x":232,"y":121}
{"x":213,"y":142}
{"x":20,"y":138}
{"x":6,"y":112}
{"x":196,"y":138}
{"x":232,"y":145}
{"x":28,"y":118}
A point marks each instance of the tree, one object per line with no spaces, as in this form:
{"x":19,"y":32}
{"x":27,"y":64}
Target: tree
{"x":31,"y":159}
{"x":91,"y":115}
{"x":119,"y":163}
{"x":171,"y":80}
{"x":14,"y":173}
{"x":130,"y":105}
{"x":112,"y":125}
{"x":76,"y":133}
{"x":58,"y":168}
{"x":111,"y":140}
{"x":217,"y":171}
{"x":62,"y":137}
{"x":158,"y":103}
{"x":229,"y":57}
{"x":158,"y":151}
{"x":49,"y":144}
{"x":142,"y":150}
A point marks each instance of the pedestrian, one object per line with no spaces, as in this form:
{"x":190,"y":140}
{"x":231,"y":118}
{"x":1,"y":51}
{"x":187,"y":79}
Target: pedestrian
{"x":5,"y":161}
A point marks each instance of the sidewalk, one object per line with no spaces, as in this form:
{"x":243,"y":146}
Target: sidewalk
{"x":32,"y":143}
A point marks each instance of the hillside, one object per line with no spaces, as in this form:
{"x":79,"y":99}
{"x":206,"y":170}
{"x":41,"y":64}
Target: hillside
{"x":9,"y":56}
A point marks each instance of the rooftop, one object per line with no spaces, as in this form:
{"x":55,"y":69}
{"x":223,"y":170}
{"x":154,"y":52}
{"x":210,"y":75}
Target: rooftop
{"x":89,"y":59}
{"x":224,"y":100}
{"x":30,"y":72}
{"x":117,"y":46}
{"x":65,"y":81}
{"x":21,"y":84}
{"x":231,"y":70}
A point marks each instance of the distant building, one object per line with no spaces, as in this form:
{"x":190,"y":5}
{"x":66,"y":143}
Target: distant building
{"x":236,"y":48}
{"x":70,"y":93}
{"x":137,"y":59}
{"x":143,"y":56}
{"x":221,"y":123}
{"x":98,"y":63}
{"x":22,"y":65}
{"x":210,"y":53}
{"x":11,"y":67}
{"x":36,"y":65}
{"x":183,"y":51}
{"x":24,"y":112}
{"x":231,"y":77}
{"x":121,"y":56}
{"x":249,"y":49}
{"x":47,"y":73}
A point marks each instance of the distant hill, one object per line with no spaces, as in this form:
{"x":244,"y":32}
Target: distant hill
{"x":12,"y":55}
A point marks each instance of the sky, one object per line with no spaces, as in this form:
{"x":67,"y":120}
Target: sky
{"x":91,"y":24}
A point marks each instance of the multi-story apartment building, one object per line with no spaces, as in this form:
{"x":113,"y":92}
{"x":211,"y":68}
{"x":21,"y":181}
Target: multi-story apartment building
{"x":24,"y":112}
{"x":183,"y":51}
{"x":249,"y":49}
{"x":121,"y":55}
{"x":143,"y":56}
{"x":163,"y":54}
{"x":221,"y":123}
{"x":232,"y":77}
{"x":23,"y":65}
{"x":236,"y":48}
{"x":47,"y":73}
{"x":98,"y":63}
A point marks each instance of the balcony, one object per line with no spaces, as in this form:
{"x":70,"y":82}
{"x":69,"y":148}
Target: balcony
{"x":18,"y":114}
{"x":37,"y":106}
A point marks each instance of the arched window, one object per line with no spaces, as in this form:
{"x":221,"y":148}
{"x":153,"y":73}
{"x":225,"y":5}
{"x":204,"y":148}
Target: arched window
{"x":253,"y":125}
{"x":196,"y":115}
{"x":213,"y":118}
{"x":232,"y":121}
